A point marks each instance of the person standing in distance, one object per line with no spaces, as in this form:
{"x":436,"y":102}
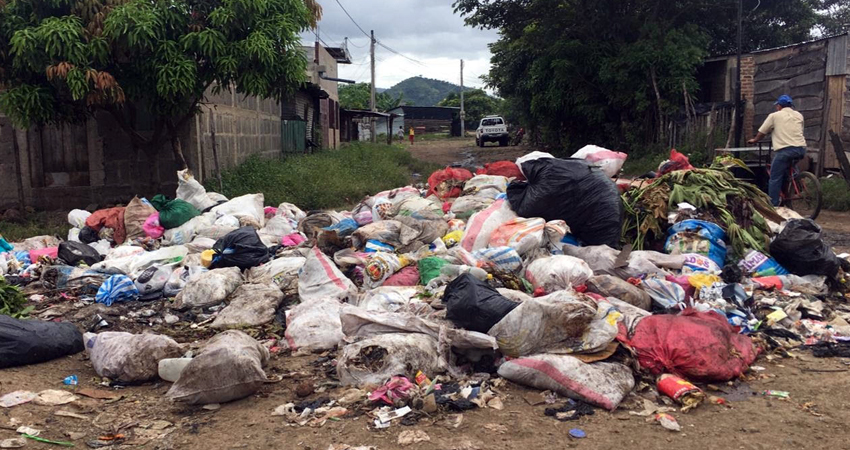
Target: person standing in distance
{"x":411,"y":135}
{"x":786,"y":129}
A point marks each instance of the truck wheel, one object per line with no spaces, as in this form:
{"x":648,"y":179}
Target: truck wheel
{"x":503,"y":142}
{"x":481,"y":142}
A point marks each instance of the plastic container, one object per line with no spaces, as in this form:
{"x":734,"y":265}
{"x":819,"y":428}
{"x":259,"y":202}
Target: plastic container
{"x":171,"y":368}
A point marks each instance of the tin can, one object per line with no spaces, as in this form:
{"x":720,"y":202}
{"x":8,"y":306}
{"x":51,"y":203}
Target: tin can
{"x":682,"y":391}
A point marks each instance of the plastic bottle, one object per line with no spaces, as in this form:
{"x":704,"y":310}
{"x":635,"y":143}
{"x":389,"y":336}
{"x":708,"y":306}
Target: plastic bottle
{"x":455,"y":270}
{"x":170,"y":368}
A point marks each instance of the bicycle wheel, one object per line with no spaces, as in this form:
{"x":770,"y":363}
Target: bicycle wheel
{"x":804,"y":195}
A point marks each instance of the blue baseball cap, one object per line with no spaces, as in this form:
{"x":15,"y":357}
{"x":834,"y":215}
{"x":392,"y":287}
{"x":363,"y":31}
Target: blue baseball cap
{"x":784,"y":101}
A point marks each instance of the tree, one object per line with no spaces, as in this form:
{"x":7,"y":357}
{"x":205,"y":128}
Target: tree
{"x":610,"y":71}
{"x":477,"y":104}
{"x":357,"y":96}
{"x":64,"y":60}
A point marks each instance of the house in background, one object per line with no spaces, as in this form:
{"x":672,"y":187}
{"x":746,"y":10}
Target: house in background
{"x":429,"y":119}
{"x":814,"y":74}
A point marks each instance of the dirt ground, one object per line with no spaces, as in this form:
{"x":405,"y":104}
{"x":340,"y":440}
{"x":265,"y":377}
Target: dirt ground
{"x":464,"y":152}
{"x":814,"y":416}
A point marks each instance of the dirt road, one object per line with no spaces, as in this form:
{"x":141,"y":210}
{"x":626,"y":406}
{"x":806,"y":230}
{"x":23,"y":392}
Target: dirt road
{"x":464,"y":152}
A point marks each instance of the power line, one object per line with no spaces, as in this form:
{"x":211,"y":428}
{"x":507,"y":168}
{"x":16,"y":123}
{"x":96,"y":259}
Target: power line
{"x":352,"y":20}
{"x":400,"y":54}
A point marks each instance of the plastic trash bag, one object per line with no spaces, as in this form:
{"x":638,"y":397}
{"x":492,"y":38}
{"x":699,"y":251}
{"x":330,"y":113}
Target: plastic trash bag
{"x":173,"y":213}
{"x":390,"y":232}
{"x":25,"y":342}
{"x":250,"y":305}
{"x":407,"y":276}
{"x":506,"y":169}
{"x":208,"y":288}
{"x":151,"y":282}
{"x":482,"y":224}
{"x":602,"y":259}
{"x":489,"y":186}
{"x":319,"y":278}
{"x":448,"y":182}
{"x":179,"y":278}
{"x":135,"y":263}
{"x":557,"y":272}
{"x":697,"y":236}
{"x":152,"y":227}
{"x":128,"y":357}
{"x":117,"y":288}
{"x":800,"y":249}
{"x":314,"y":325}
{"x":601,"y":384}
{"x":190,"y":190}
{"x":250,"y":205}
{"x":429,"y":268}
{"x":665,"y":294}
{"x":74,"y":253}
{"x":187,"y":232}
{"x":556,"y":323}
{"x":464,"y":207}
{"x":523,"y":235}
{"x":281,"y":271}
{"x":393,"y":299}
{"x":109,"y":218}
{"x":611,"y":286}
{"x":609,"y":161}
{"x":373,"y":361}
{"x":574,"y":191}
{"x":229,"y":367}
{"x":135,"y":215}
{"x":241,"y":248}
{"x":473,"y":305}
{"x":693,"y":345}
{"x":503,"y":259}
{"x":77,"y":218}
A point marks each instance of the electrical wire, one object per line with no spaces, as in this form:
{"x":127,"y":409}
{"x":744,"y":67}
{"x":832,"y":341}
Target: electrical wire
{"x":353,"y":21}
{"x":400,"y":54}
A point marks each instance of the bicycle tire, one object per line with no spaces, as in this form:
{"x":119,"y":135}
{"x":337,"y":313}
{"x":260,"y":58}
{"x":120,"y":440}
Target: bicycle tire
{"x":808,"y":204}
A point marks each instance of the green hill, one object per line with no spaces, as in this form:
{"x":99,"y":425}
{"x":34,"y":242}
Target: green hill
{"x":420,"y":91}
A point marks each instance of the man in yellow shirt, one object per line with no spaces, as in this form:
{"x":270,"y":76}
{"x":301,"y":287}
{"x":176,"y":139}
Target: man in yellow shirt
{"x":789,"y":144}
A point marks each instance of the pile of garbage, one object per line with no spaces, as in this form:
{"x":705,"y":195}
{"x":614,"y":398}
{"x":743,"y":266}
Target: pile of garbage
{"x":429,"y":299}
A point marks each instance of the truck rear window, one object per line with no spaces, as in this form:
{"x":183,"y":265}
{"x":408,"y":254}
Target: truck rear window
{"x":491,"y":122}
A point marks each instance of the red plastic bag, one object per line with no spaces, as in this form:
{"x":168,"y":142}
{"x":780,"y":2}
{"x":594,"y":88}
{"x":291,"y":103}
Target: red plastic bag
{"x":507,"y":169}
{"x":109,"y":218}
{"x":408,"y":276}
{"x":448,"y":183}
{"x":677,"y":161}
{"x":693,"y":345}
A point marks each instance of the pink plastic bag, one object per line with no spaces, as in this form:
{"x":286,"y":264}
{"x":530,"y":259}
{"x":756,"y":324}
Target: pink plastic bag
{"x":291,"y":240}
{"x":152,"y":227}
{"x":52,"y":252}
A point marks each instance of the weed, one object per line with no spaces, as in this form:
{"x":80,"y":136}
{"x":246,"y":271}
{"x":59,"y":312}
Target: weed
{"x":836,"y":195}
{"x":36,"y":224}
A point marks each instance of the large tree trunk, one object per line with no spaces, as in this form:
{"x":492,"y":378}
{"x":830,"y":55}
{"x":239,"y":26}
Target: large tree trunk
{"x":177,"y":148}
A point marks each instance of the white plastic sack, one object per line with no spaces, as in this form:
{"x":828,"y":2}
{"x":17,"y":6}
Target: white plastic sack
{"x":227,"y":221}
{"x":129,"y":357}
{"x":488,"y":186}
{"x":393,"y":299}
{"x":250,"y":205}
{"x":250,"y":305}
{"x":102,"y":246}
{"x":291,"y":212}
{"x":523,"y":235}
{"x":180,"y":276}
{"x":77,"y":218}
{"x":229,"y":367}
{"x":483,"y":223}
{"x":396,"y":354}
{"x":73,"y":235}
{"x":602,"y":258}
{"x":199,"y":244}
{"x":190,"y":190}
{"x":514,"y":296}
{"x":553,"y":234}
{"x":280,"y":271}
{"x":134,"y":265}
{"x":278,"y":227}
{"x":208,"y":288}
{"x":186,"y":233}
{"x":609,"y":161}
{"x":602,"y":384}
{"x":556,"y":323}
{"x":557,"y":272}
{"x":533,"y":156}
{"x":466,"y":206}
{"x":151,"y":282}
{"x":314,"y":325}
{"x":319,"y":278}
{"x":123,"y":251}
{"x":504,"y":259}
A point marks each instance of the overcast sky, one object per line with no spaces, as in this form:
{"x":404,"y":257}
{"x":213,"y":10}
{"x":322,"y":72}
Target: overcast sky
{"x":425,"y":30}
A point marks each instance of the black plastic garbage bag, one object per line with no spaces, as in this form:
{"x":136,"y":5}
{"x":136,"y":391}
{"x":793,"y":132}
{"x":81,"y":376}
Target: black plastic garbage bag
{"x":75,"y":252}
{"x":24,"y":342}
{"x":473,"y":305}
{"x":88,"y":235}
{"x":574,"y":191}
{"x":801,"y":249}
{"x":240,"y":248}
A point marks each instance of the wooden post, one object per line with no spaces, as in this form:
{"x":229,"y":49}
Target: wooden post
{"x":215,"y":151}
{"x":838,"y":146}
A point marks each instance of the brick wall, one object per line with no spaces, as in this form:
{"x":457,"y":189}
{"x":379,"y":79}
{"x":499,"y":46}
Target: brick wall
{"x":748,"y":90}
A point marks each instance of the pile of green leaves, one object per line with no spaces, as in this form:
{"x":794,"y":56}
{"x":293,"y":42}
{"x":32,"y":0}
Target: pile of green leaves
{"x":12,"y":301}
{"x":735,"y":205}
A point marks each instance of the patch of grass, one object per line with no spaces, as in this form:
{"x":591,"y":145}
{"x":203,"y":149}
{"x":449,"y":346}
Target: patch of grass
{"x":637,"y":165}
{"x":326,"y":179}
{"x":434,"y":136}
{"x":36,"y":224}
{"x":836,"y":195}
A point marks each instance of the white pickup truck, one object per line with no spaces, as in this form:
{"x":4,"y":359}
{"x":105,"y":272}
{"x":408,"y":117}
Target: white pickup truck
{"x":492,"y":129}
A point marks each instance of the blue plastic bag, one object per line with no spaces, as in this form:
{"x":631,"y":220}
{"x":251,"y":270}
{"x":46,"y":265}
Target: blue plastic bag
{"x":5,"y":246}
{"x":373,"y":246}
{"x":760,"y":265}
{"x":23,"y":257}
{"x":344,"y":227}
{"x":503,"y":258}
{"x":117,"y":288}
{"x":697,"y":236}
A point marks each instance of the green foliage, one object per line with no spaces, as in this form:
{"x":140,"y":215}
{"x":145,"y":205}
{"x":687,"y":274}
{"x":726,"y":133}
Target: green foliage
{"x":357,"y":96}
{"x":420,"y":91}
{"x":40,"y":223}
{"x":608,"y":71}
{"x":836,"y":195}
{"x":12,"y":301}
{"x":327,"y":179}
{"x":476,"y":103}
{"x":61,"y":60}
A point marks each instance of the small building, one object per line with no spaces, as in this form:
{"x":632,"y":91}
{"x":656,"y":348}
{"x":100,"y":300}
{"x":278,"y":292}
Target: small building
{"x":356,"y":125}
{"x":430,"y":119}
{"x":814,"y":74}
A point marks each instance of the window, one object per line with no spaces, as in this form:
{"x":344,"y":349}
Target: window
{"x":491,"y":122}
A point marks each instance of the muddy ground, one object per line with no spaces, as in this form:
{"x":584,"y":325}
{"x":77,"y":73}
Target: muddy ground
{"x":814,"y":416}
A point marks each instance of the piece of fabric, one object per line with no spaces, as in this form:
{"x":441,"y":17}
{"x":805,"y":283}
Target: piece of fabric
{"x":117,"y":288}
{"x":785,"y":128}
{"x":108,"y":218}
{"x":782,"y":161}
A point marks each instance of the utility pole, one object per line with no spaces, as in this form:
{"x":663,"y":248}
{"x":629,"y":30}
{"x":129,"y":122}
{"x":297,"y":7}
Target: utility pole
{"x":739,"y":113}
{"x":462,"y":111}
{"x":372,"y":93}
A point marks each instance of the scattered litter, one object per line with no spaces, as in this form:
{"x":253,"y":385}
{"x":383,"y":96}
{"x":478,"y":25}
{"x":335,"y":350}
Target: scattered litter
{"x":577,"y":433}
{"x":668,"y":422}
{"x":17,"y":398}
{"x":53,"y":397}
{"x":13,"y":443}
{"x":410,"y":437}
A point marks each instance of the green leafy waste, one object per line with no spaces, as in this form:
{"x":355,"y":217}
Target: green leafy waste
{"x":12,"y":301}
{"x":735,"y":205}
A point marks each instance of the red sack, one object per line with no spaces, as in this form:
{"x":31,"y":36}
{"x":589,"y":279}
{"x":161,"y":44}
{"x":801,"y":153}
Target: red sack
{"x":109,"y":218}
{"x":408,"y":276}
{"x":448,"y":183}
{"x":502,"y":168}
{"x":677,"y":161}
{"x":693,"y":345}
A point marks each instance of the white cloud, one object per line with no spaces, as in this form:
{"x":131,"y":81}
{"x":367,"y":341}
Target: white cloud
{"x":425,"y":30}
